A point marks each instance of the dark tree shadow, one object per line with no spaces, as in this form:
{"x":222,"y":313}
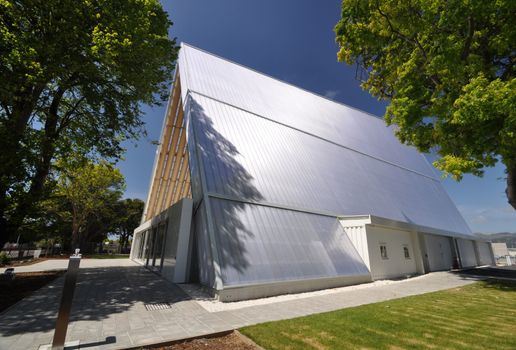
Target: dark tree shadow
{"x":100,"y":293}
{"x":503,"y":272}
{"x":225,"y":176}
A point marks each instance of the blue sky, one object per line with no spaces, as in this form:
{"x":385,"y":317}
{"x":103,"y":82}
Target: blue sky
{"x":293,"y":40}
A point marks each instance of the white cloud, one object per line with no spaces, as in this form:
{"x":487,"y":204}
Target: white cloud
{"x":331,"y":93}
{"x":490,"y":220}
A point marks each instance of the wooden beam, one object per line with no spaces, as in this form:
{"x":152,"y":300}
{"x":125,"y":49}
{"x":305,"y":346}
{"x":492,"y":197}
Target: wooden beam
{"x":166,"y":180}
{"x":163,"y":148}
{"x":177,"y":130}
{"x":186,"y":190}
{"x":178,"y":155}
{"x":181,"y":178}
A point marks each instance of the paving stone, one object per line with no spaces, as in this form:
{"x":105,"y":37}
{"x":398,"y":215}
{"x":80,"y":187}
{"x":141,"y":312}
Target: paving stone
{"x":110,"y":302}
{"x":144,"y":336}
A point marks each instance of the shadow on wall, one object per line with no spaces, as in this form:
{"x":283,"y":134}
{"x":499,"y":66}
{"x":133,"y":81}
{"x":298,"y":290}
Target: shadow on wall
{"x":100,"y":293}
{"x":225,"y":175}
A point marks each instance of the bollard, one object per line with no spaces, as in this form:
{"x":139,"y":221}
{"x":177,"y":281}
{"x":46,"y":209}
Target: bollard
{"x":66,"y":301}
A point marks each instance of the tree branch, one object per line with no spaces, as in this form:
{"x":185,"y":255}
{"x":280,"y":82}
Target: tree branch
{"x":413,"y":41}
{"x":469,"y":39}
{"x":68,"y":116}
{"x":6,"y":109}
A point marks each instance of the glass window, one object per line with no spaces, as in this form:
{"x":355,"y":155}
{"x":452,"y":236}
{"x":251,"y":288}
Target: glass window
{"x":406,"y":252}
{"x":383,"y":251}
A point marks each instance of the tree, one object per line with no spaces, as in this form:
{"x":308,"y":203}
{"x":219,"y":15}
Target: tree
{"x":87,"y":190}
{"x":129,"y":213}
{"x":447,"y":68}
{"x":74,"y":74}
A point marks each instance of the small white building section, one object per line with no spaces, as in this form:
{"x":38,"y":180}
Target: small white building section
{"x":393,"y":249}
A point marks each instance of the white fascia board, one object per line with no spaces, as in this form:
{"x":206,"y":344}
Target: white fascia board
{"x":354,"y":220}
{"x":145,"y":226}
{"x":154,"y":221}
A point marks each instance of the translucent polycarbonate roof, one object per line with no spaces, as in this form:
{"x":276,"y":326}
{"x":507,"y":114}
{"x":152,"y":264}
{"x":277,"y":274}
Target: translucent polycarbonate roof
{"x":250,"y":158}
{"x":295,"y":148}
{"x":249,"y":90}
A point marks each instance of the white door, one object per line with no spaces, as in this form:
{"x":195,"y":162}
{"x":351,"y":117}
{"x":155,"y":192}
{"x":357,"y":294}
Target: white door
{"x":438,"y":252}
{"x":467,"y":254}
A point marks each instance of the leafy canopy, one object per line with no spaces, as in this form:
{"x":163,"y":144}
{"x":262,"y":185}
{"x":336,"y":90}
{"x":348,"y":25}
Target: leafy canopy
{"x":447,"y":68}
{"x":74,"y":74}
{"x":97,"y":60}
{"x":86,"y":189}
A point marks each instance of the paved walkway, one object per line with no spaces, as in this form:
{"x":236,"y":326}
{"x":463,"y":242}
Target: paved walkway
{"x":62,"y":264}
{"x":118,"y":307}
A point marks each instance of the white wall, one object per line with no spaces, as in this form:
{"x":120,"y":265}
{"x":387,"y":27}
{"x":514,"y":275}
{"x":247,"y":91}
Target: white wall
{"x":467,"y":252}
{"x":438,"y":252}
{"x":396,"y":265}
{"x":500,"y":249}
{"x":357,"y":236}
{"x":484,"y":253}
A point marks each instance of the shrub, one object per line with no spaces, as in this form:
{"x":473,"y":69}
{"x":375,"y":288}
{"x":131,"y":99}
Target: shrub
{"x":4,"y":258}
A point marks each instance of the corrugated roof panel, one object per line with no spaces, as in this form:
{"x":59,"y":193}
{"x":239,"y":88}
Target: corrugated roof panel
{"x":203,"y":253}
{"x":258,"y":244}
{"x":251,"y":158}
{"x":271,"y":98}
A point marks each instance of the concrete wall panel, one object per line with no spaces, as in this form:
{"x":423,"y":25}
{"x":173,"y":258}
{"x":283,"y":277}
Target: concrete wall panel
{"x":396,"y":264}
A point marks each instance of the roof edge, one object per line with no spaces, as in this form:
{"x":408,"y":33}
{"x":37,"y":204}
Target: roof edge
{"x":381,"y":221}
{"x":283,"y":81}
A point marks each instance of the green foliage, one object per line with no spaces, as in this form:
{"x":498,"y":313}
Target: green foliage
{"x":87,"y":190}
{"x":74,"y":74}
{"x":4,"y":258}
{"x":129,"y":213}
{"x":447,"y":68}
{"x":93,"y":190}
{"x":47,"y":243}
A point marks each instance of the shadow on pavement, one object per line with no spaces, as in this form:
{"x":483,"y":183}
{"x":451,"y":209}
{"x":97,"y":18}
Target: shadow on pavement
{"x":490,"y":271}
{"x":100,"y":293}
{"x":109,"y":340}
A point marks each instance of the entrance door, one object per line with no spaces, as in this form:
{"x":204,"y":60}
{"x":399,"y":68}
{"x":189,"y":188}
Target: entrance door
{"x":438,"y":252}
{"x":157,"y":254}
{"x":467,"y":254}
{"x":150,"y":246}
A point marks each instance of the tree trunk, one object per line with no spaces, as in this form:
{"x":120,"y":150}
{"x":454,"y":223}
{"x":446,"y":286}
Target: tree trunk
{"x":14,"y":127}
{"x":10,"y":164}
{"x":75,"y":235}
{"x":42,"y":167}
{"x":511,"y":185}
{"x":123,"y":240}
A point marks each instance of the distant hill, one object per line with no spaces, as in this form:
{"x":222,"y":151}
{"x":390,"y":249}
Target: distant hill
{"x":501,"y":237}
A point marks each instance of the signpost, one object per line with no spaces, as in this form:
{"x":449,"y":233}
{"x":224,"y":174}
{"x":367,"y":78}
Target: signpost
{"x":66,"y":301}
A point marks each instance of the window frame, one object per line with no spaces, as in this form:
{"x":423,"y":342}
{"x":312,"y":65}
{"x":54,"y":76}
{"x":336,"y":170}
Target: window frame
{"x":406,"y":252}
{"x":383,"y":251}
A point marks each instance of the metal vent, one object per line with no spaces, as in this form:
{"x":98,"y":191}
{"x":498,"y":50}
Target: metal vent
{"x":157,"y":306}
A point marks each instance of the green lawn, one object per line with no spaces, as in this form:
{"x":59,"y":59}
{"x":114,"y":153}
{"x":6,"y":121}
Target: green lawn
{"x":475,"y":317}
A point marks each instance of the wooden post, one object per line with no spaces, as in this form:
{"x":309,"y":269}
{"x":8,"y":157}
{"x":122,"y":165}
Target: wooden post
{"x":66,"y":301}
